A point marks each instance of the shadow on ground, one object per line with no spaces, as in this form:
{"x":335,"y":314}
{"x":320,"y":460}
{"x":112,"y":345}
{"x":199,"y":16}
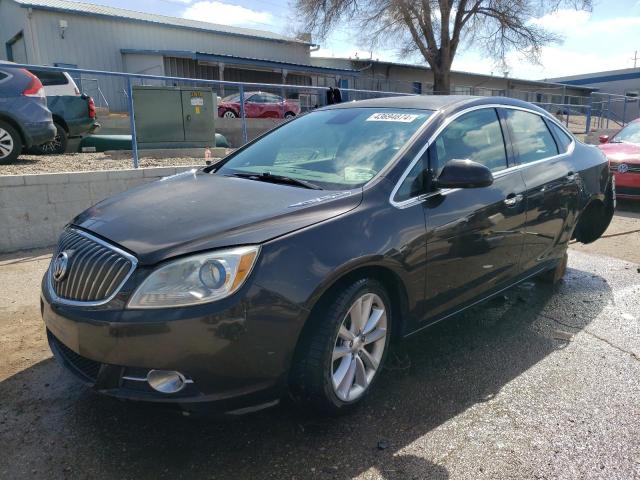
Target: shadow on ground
{"x":49,"y":425}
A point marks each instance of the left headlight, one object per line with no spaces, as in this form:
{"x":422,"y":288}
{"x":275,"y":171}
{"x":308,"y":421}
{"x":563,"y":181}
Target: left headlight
{"x":197,"y":279}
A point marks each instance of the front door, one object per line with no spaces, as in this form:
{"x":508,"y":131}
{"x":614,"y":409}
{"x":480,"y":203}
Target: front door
{"x":552,"y":189}
{"x":474,"y":235}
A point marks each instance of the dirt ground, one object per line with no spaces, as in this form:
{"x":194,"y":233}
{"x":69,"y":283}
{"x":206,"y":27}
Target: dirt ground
{"x":542,"y":382}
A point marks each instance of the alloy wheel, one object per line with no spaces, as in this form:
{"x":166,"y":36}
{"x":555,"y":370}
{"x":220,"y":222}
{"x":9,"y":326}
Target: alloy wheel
{"x":229,"y":114}
{"x":6,"y":143}
{"x":53,"y":146}
{"x":359,"y":347}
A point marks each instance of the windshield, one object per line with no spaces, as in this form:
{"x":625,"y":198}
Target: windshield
{"x":630,"y":134}
{"x":232,"y":98}
{"x":333,"y":149}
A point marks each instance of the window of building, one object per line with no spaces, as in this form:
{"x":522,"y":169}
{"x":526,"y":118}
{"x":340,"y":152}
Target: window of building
{"x":530,"y":136}
{"x":417,"y":88}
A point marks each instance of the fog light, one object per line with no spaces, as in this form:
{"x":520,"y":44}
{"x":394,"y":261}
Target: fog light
{"x":166,"y":381}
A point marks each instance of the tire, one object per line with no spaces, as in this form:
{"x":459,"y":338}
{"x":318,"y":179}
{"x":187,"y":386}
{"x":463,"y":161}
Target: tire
{"x":289,"y":115}
{"x":229,"y":114}
{"x":10,"y":143}
{"x":554,"y":276}
{"x":333,"y":350}
{"x":57,"y":146}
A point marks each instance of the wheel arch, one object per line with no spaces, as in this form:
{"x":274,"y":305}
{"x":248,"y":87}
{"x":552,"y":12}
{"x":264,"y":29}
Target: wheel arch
{"x":386,"y":276}
{"x":58,"y":119}
{"x":14,"y":124}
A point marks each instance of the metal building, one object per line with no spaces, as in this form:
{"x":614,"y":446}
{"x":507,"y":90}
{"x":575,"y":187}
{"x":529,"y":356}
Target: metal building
{"x":624,"y":83}
{"x":66,"y":33}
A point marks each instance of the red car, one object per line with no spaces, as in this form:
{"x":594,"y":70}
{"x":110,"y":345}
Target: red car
{"x":623,"y":152}
{"x":258,"y":105}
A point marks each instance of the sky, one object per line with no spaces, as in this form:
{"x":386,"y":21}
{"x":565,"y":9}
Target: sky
{"x":604,"y":39}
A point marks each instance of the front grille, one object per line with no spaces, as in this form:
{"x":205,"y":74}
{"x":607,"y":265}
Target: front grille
{"x":95,"y":270}
{"x":86,"y":368}
{"x":632,"y":168}
{"x":627,"y":190}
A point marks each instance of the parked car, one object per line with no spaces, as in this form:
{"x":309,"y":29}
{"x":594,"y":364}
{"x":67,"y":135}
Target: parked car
{"x":74,"y":114}
{"x":57,"y":83}
{"x":258,"y":105}
{"x":314,"y":247}
{"x":25,"y":119}
{"x":623,"y":152}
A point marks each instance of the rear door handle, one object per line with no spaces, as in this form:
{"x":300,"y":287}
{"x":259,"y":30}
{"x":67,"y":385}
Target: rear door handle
{"x":512,"y":199}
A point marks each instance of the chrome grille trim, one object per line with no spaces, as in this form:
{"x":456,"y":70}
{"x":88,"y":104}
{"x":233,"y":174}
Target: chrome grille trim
{"x":99,"y":270}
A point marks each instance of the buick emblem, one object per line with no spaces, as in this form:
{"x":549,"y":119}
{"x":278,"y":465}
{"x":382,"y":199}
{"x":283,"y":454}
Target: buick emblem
{"x":623,"y":168}
{"x":60,"y":265}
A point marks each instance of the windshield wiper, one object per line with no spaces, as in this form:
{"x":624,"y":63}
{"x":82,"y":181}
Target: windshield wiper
{"x":269,"y":177}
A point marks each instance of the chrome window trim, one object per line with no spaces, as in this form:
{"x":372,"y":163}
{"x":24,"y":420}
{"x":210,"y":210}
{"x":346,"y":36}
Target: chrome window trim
{"x":420,"y":198}
{"x":77,"y":303}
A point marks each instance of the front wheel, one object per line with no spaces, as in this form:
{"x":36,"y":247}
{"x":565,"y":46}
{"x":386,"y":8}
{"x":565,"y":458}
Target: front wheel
{"x":341,"y":357}
{"x":289,"y":115}
{"x":229,"y":114}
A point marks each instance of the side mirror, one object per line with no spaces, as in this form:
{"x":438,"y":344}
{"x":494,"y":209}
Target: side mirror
{"x":464,"y":174}
{"x":603,"y":138}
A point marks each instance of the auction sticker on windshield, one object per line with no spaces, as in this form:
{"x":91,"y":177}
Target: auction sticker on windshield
{"x":392,"y":117}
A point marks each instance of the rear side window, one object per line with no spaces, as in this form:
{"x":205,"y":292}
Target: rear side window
{"x":563,"y":139}
{"x":531,"y":138}
{"x":50,"y":78}
{"x":475,"y":136}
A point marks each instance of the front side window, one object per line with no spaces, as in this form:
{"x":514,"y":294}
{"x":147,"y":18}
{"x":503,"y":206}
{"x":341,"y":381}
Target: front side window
{"x":530,"y":136}
{"x":474,"y":136}
{"x":334,"y":149}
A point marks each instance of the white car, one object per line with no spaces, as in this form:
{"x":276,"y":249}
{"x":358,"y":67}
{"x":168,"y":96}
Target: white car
{"x":57,"y":83}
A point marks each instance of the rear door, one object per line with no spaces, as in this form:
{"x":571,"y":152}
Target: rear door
{"x":474,"y":235}
{"x":551,"y":184}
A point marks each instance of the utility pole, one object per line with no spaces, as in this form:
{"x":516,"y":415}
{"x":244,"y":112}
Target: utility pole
{"x":635,"y":59}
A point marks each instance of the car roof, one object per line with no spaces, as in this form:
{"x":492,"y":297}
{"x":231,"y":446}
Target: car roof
{"x":435,"y":102}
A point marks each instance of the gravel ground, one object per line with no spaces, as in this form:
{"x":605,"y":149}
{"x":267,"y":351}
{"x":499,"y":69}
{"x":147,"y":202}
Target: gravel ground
{"x":75,"y":162}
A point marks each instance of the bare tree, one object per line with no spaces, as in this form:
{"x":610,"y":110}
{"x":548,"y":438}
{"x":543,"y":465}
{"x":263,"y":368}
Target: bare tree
{"x":436,"y":28}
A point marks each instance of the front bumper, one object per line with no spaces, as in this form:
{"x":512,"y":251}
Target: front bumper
{"x":628,"y":185}
{"x":236,"y":352}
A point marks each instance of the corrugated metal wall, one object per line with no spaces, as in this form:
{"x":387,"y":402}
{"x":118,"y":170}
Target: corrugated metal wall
{"x":96,"y":43}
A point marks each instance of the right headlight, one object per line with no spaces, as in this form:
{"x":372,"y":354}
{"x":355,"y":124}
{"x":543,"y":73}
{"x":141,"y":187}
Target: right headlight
{"x":197,"y":279}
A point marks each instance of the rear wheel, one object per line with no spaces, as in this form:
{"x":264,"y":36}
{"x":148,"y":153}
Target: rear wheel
{"x":340,"y":358}
{"x":10,"y":143}
{"x":289,"y":115}
{"x":57,"y":146}
{"x":555,"y":275}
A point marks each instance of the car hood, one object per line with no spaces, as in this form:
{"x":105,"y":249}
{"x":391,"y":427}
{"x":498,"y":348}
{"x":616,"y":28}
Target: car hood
{"x":621,"y":152}
{"x":196,"y":211}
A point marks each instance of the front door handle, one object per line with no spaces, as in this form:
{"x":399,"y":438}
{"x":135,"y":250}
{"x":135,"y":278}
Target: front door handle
{"x":512,"y":199}
{"x":571,"y":176}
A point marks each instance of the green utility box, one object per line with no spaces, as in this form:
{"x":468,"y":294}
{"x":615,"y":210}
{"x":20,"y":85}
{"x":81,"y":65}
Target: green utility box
{"x":174,"y":116}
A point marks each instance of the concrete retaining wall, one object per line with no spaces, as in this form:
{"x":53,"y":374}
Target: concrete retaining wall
{"x":35,"y":208}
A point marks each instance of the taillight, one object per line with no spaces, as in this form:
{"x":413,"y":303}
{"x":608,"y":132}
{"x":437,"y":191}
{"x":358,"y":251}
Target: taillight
{"x":92,"y":108}
{"x":35,"y":88}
